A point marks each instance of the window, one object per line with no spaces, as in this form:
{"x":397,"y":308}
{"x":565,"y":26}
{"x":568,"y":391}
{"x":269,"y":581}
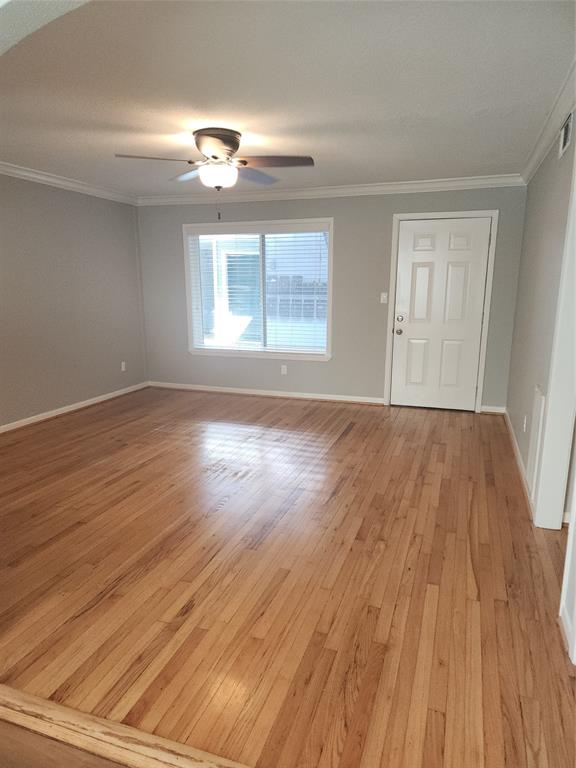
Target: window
{"x":260,"y":289}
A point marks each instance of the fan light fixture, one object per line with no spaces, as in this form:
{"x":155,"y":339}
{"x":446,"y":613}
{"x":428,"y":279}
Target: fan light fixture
{"x":218,"y":175}
{"x":220,"y":167}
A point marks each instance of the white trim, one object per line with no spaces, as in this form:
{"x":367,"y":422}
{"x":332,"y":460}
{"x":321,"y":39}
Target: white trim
{"x":266,"y":227}
{"x":486,"y":309}
{"x":568,"y":632}
{"x":535,"y":440}
{"x":304,"y":357}
{"x":261,"y":227}
{"x":391,"y":308}
{"x":560,"y":406}
{"x":568,"y":611}
{"x":208,"y":197}
{"x":350,"y":190}
{"x":61,"y":182}
{"x":73,"y":407}
{"x":519,"y":462}
{"x":493,"y":409}
{"x":397,"y":218}
{"x":270,"y":393}
{"x":563,"y":105}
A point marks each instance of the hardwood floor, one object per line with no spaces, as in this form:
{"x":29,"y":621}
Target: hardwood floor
{"x":21,"y":749}
{"x":37,"y":733}
{"x":285,"y":583}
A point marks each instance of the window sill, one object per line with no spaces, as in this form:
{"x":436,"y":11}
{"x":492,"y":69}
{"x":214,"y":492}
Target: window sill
{"x":303,"y":356}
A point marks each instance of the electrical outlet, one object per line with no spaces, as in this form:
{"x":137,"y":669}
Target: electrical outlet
{"x":384,"y":298}
{"x":283,"y":370}
{"x":525,"y":423}
{"x":123,"y":366}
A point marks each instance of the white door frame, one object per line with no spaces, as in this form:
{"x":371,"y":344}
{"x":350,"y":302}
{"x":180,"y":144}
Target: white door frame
{"x":560,"y":408}
{"x":567,"y":601}
{"x":397,"y":218}
{"x":564,"y":356}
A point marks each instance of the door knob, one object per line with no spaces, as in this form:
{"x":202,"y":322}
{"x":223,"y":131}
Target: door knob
{"x":399,"y":331}
{"x":399,"y":318}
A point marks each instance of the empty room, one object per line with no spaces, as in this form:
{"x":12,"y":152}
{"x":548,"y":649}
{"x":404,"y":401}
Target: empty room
{"x":287,"y":384}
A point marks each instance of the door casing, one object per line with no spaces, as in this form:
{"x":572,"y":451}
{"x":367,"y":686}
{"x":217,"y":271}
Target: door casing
{"x":397,"y":218}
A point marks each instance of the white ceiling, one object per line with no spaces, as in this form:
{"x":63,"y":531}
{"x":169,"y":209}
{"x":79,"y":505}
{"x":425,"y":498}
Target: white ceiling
{"x":375,"y":91}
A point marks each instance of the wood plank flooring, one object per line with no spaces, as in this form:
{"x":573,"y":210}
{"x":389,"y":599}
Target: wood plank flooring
{"x":21,"y":749}
{"x":286,"y":583}
{"x":39,"y":733}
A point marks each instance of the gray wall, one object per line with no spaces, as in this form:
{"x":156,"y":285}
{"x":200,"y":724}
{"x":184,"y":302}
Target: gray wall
{"x":69,"y":298}
{"x":362,"y":243}
{"x":541,"y":262}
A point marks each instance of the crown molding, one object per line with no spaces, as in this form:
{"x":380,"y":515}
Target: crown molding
{"x":210,"y":198}
{"x":563,"y":105}
{"x":351,"y":190}
{"x":72,"y":185}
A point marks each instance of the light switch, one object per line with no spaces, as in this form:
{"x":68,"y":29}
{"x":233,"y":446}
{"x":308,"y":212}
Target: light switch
{"x":383,"y":298}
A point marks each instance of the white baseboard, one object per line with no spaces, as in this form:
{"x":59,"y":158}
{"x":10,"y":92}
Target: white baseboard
{"x":72,"y":407}
{"x":519,"y":461}
{"x":207,"y":388}
{"x":567,"y":628}
{"x":270,"y":393}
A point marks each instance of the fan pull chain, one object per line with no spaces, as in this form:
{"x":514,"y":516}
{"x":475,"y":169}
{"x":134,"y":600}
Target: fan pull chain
{"x":218,"y":211}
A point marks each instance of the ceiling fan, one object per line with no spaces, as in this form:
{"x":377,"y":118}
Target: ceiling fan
{"x":220,"y":167}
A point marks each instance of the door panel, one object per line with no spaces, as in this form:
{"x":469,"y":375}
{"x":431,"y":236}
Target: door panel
{"x":421,"y":294}
{"x":456,"y":292}
{"x":417,"y":366}
{"x":450,"y":365}
{"x":440,"y":288}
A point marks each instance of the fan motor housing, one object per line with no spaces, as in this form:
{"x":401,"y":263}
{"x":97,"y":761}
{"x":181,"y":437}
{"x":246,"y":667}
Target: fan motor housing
{"x":217,"y":143}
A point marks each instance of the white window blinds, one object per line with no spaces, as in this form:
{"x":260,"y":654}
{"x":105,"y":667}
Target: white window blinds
{"x":264,"y":289}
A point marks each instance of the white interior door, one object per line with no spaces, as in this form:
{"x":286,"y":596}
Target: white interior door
{"x":440,"y":286}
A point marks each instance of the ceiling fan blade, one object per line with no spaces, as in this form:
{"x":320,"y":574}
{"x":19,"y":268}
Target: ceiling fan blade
{"x":252,"y":174}
{"x":276,"y":161}
{"x":188,"y":176}
{"x":148,"y":157}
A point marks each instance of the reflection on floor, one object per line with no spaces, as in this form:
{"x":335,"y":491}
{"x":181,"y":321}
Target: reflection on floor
{"x":286,"y":583}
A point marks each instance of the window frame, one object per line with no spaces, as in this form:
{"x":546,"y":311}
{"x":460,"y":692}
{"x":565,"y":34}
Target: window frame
{"x":280,"y":226}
